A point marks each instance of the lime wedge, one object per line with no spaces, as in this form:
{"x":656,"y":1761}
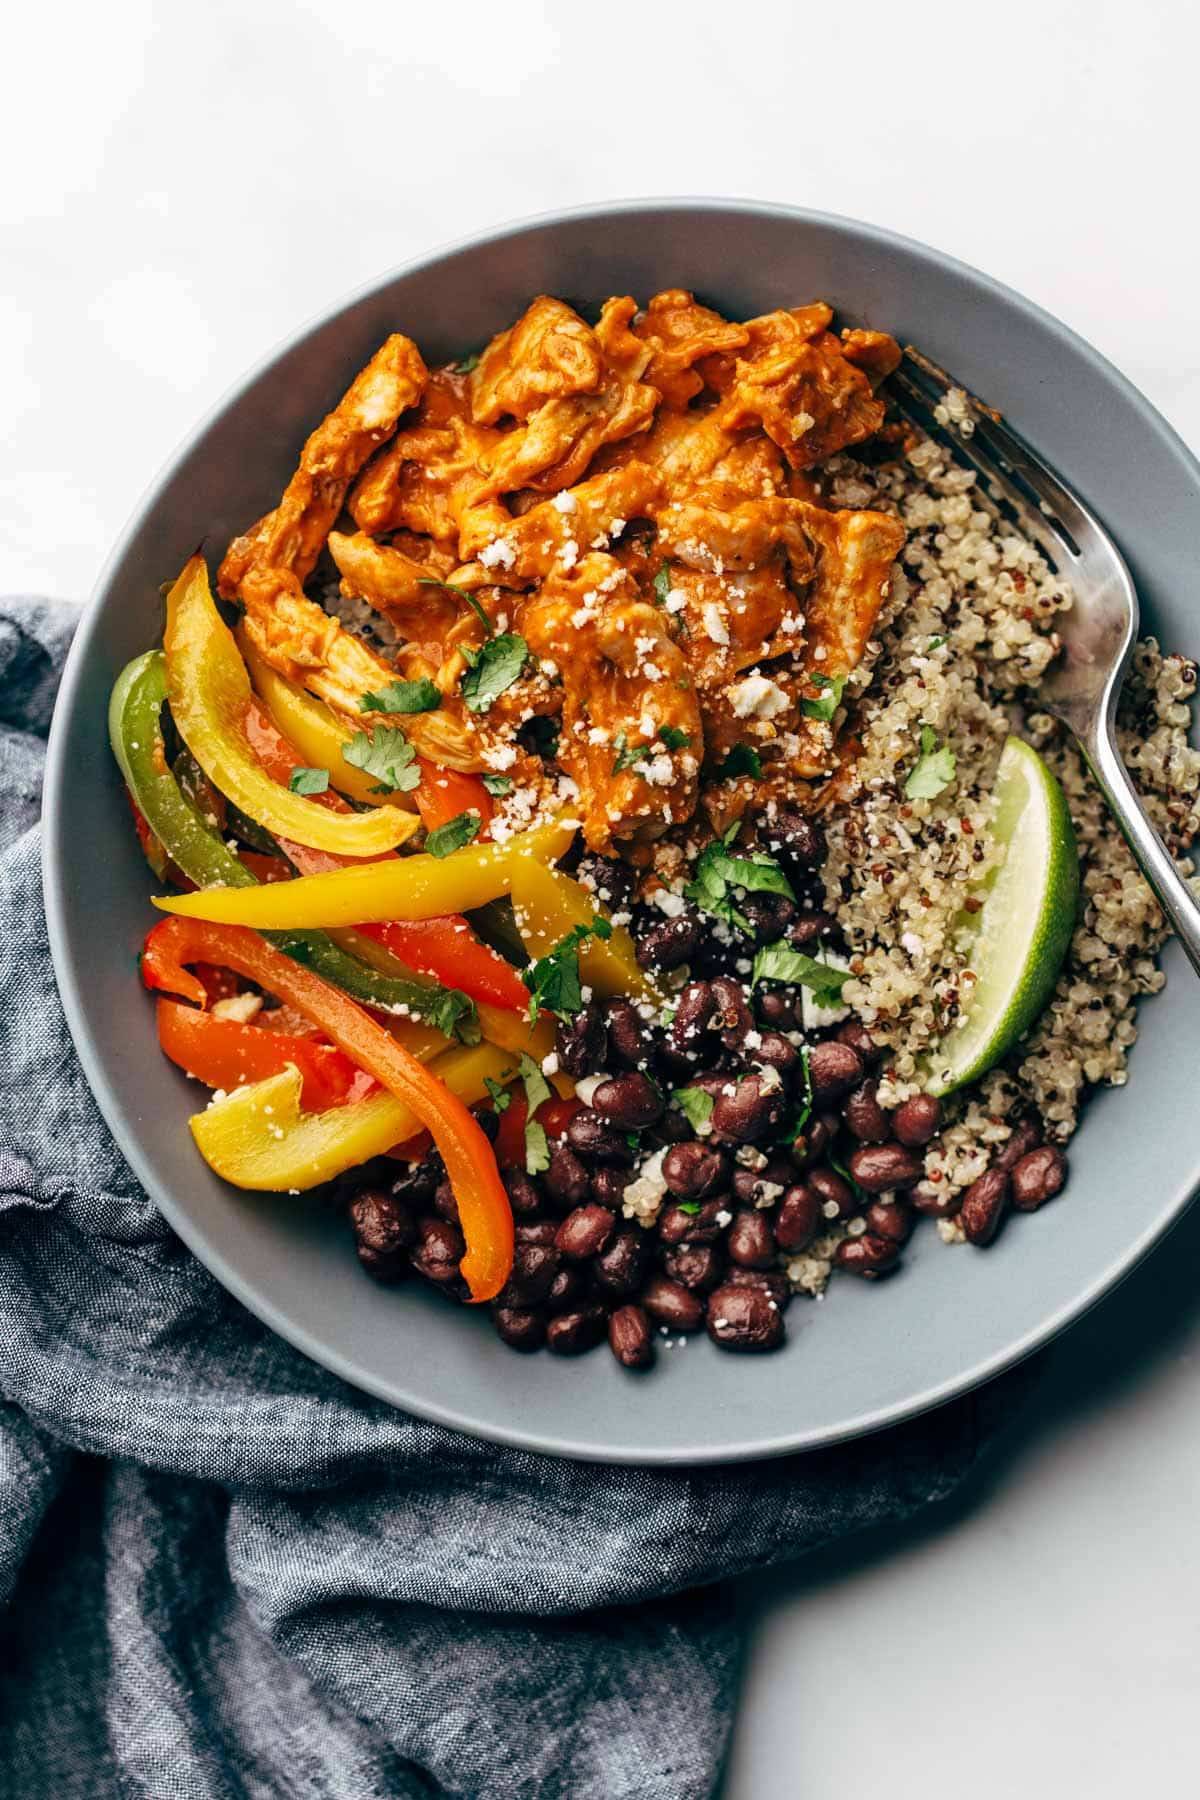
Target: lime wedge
{"x":1024,"y":926}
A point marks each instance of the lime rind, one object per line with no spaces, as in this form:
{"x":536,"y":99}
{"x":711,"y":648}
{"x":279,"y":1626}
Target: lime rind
{"x":1025,"y":925}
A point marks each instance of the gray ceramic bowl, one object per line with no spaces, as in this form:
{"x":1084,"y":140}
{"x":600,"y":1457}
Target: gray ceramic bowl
{"x":865,"y":1356}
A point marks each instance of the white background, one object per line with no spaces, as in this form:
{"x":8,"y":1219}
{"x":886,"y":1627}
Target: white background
{"x":184,"y":184}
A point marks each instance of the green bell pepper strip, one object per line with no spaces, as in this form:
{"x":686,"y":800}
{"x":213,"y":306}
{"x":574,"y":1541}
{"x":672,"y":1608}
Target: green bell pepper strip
{"x":135,"y":732}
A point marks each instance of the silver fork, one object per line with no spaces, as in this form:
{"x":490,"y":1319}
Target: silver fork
{"x":1082,"y":686}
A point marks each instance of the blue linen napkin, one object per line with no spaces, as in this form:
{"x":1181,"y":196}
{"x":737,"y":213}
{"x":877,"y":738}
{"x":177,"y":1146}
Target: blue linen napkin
{"x":226,"y":1574}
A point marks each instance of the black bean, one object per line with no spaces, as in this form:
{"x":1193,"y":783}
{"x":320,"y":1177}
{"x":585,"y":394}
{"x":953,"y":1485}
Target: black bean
{"x":752,"y":1111}
{"x":752,"y":1185}
{"x":567,"y":1290}
{"x":769,"y":916}
{"x":798,"y":1219}
{"x":744,"y":1318}
{"x":984,"y":1205}
{"x":917,"y":1120}
{"x":630,"y":1338}
{"x":536,"y":1231}
{"x":807,"y":927}
{"x":591,"y":1137}
{"x":439,"y":1249}
{"x":520,"y":1328}
{"x":677,"y":1225}
{"x":1026,"y":1136}
{"x":523,"y":1196}
{"x":696,"y":1266}
{"x":880,"y":1167}
{"x":868,"y":1255}
{"x":797,"y":838}
{"x":608,"y":1187}
{"x":565,"y":1179}
{"x":610,"y":880}
{"x":383,"y":1231}
{"x":444,"y":1203}
{"x":833,"y":1069}
{"x":581,"y":1041}
{"x":855,"y":1033}
{"x":690,"y":1036}
{"x":628,"y":1102}
{"x":672,"y":1128}
{"x":890,"y":1219}
{"x":668,"y":943}
{"x":694,"y":1170}
{"x":585,"y":1232}
{"x":865,"y":1118}
{"x":571,"y":1333}
{"x":630,"y":1039}
{"x":730,"y":1018}
{"x":772,"y":1282}
{"x":670,"y":1303}
{"x":533,"y":1271}
{"x":777,"y":1008}
{"x":776,"y":1052}
{"x":934,"y":1199}
{"x":836,"y":1195}
{"x":751,"y":1241}
{"x":418,"y":1182}
{"x":1038,"y":1176}
{"x":621,"y":1268}
{"x":814,"y":1140}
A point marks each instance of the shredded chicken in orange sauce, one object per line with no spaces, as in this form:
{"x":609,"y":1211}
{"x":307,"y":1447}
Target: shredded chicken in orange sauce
{"x":638,"y":504}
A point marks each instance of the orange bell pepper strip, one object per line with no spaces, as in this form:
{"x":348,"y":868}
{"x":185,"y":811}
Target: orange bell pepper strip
{"x":444,"y":793}
{"x":225,"y":1053}
{"x":484,"y":1212}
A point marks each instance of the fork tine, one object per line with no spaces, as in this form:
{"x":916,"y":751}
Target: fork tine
{"x":914,"y":404}
{"x":1019,"y":460}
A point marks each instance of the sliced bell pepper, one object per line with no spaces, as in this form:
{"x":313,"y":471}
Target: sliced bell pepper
{"x":552,"y":1115}
{"x":258,"y":1137}
{"x":548,"y":905}
{"x":444,"y":793}
{"x":484,"y":1211}
{"x":402,"y":887}
{"x":223,"y":1053}
{"x":209,"y":690}
{"x":317,"y":733}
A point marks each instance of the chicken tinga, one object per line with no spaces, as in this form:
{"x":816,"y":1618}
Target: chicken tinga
{"x":593,"y":791}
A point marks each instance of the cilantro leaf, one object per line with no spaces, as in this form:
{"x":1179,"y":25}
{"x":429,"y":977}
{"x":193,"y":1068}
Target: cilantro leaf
{"x":465,"y":364}
{"x":804,"y":1115}
{"x":933,"y":770}
{"x":695,"y":1104}
{"x":454,"y":834}
{"x":691,"y":1207}
{"x":403,"y":697}
{"x":742,"y":760}
{"x":719,"y":875}
{"x":500,"y":1097}
{"x":628,"y":758}
{"x":830,"y":700}
{"x":778,"y":962}
{"x":451,"y":1013}
{"x":387,"y":754}
{"x":537,"y":1149}
{"x":935,"y":643}
{"x":463,"y":593}
{"x":553,"y":980}
{"x":537,"y":1088}
{"x":498,"y":785}
{"x":493,"y":669}
{"x":662,"y":585}
{"x":845,"y":1174}
{"x":308,"y":781}
{"x":675,"y":739}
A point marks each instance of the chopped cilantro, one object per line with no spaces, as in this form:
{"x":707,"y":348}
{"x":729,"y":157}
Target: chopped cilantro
{"x":537,"y":1150}
{"x":498,"y":785}
{"x":830,"y":700}
{"x":845,"y":1174}
{"x":778,"y":962}
{"x":742,"y":760}
{"x":933,"y":770}
{"x":463,"y":593}
{"x":500,"y":1096}
{"x":454,"y":834}
{"x":308,"y":781}
{"x":691,"y":1207}
{"x":662,"y":585}
{"x":387,"y":754}
{"x":465,"y":364}
{"x":802,"y":1117}
{"x":695,"y":1105}
{"x":553,"y":981}
{"x":675,"y":739}
{"x":627,"y":758}
{"x":537,"y":1088}
{"x":935,"y":643}
{"x":719,"y":875}
{"x":493,"y":669}
{"x":403,"y":697}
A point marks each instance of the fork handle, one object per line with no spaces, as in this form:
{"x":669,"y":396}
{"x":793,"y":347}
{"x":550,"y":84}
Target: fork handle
{"x":1172,"y":892}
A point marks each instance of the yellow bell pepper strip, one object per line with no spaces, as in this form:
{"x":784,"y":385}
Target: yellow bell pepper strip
{"x":209,"y":691}
{"x":404,"y":887}
{"x":483,"y":1208}
{"x":549,"y":905}
{"x":317,"y":734}
{"x":258,"y":1137}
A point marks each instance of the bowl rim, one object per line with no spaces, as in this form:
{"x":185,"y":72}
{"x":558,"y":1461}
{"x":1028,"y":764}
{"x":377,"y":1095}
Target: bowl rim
{"x":55,"y":811}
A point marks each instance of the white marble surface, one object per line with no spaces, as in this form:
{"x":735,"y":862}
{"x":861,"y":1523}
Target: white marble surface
{"x":183,"y":185}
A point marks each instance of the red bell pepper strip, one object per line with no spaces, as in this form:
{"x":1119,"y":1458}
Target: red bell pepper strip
{"x":445,"y":948}
{"x":483,"y":1208}
{"x":552,"y":1115}
{"x":224,"y":1053}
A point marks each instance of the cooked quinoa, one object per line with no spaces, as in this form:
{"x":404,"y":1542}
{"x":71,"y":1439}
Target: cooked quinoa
{"x":968,"y":631}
